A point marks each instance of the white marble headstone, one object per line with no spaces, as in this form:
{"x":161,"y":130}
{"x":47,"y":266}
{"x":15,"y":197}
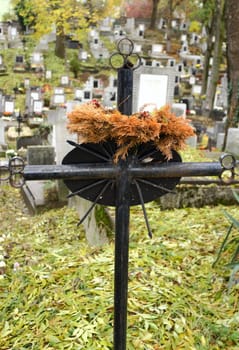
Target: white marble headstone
{"x":153,"y":86}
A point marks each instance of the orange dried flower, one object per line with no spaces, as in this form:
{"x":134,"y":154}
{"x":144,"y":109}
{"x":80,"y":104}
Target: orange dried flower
{"x":93,"y":123}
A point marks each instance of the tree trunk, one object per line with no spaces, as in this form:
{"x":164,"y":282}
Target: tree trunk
{"x":206,"y":62}
{"x":211,"y":91}
{"x":154,"y":14}
{"x":169,"y":25}
{"x":232,"y":28}
{"x":60,"y":50}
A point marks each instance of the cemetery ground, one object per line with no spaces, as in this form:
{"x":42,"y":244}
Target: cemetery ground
{"x":57,"y":291}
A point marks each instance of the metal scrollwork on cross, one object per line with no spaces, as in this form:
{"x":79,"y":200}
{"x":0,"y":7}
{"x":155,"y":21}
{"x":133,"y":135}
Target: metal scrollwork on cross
{"x":125,"y":57}
{"x":13,"y":172}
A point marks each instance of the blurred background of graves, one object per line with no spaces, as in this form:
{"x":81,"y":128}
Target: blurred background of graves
{"x":37,"y":86}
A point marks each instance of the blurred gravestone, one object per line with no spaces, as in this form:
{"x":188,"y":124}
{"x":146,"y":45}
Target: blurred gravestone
{"x":82,"y":55}
{"x":27,"y":141}
{"x":37,"y":61}
{"x":42,"y":45}
{"x":58,"y":119}
{"x":179,"y":109}
{"x":110,"y":93}
{"x":8,"y":106}
{"x":40,"y":155}
{"x":32,"y":94}
{"x":48,"y":75}
{"x":153,"y":86}
{"x":2,"y":133}
{"x":65,"y":81}
{"x":2,"y":65}
{"x":19,"y":65}
{"x":232,"y":145}
{"x":14,"y":41}
{"x":58,"y":98}
{"x":3,"y":39}
{"x":220,"y":140}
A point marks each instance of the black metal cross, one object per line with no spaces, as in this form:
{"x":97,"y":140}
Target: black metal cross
{"x":88,"y":171}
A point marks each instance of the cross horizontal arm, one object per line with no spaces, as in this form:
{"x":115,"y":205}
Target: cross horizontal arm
{"x":69,"y":171}
{"x":109,"y":171}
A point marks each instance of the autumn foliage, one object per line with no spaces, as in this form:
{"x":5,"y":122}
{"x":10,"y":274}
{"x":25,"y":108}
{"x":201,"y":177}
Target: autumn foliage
{"x":93,"y":123}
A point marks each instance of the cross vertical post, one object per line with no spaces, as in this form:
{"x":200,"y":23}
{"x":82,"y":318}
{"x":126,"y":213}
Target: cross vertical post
{"x":121,"y":257}
{"x":122,"y":217}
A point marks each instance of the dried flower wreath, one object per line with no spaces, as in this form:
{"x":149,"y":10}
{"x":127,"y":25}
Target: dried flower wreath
{"x":94,"y":123}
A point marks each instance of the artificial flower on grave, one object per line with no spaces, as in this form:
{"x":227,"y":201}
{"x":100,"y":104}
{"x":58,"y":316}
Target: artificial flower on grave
{"x":7,"y":114}
{"x":94,"y":123}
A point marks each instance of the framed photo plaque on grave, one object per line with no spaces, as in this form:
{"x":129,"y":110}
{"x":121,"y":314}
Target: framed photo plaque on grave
{"x":153,"y":86}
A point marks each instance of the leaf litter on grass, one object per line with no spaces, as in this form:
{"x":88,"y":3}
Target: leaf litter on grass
{"x":56,"y":292}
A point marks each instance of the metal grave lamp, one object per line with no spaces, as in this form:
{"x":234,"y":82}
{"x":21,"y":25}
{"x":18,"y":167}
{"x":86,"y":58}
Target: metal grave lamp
{"x":139,"y":175}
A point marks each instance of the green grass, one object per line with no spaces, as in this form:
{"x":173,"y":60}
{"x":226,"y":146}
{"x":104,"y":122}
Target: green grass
{"x":56,"y":292}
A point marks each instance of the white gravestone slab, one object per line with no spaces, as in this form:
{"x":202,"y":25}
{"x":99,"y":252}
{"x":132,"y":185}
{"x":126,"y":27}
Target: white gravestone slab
{"x":179,"y":109}
{"x":183,"y":38}
{"x":59,"y":91}
{"x":58,"y":99}
{"x":220,"y":140}
{"x":37,"y":106}
{"x":141,"y":29}
{"x":162,"y":23}
{"x":192,"y":141}
{"x":233,"y":141}
{"x":153,"y":86}
{"x":12,"y":33}
{"x":78,"y":94}
{"x":60,"y":134}
{"x":157,"y":49}
{"x":48,"y":74}
{"x":137,"y":48}
{"x":65,"y":80}
{"x":83,"y":55}
{"x":9,"y":107}
{"x":196,"y":89}
{"x":156,"y":63}
{"x":70,"y":105}
{"x":192,"y":80}
{"x":37,"y":57}
{"x":35,"y":95}
{"x":130,"y":25}
{"x":26,"y":83}
{"x":1,"y":101}
{"x":2,"y":133}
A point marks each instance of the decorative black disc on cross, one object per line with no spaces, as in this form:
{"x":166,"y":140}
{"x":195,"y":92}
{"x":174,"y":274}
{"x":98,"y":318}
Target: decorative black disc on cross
{"x":142,"y":190}
{"x":89,"y":171}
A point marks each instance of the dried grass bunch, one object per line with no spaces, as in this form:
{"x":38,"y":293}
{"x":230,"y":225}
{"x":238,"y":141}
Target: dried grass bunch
{"x":94,"y":123}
